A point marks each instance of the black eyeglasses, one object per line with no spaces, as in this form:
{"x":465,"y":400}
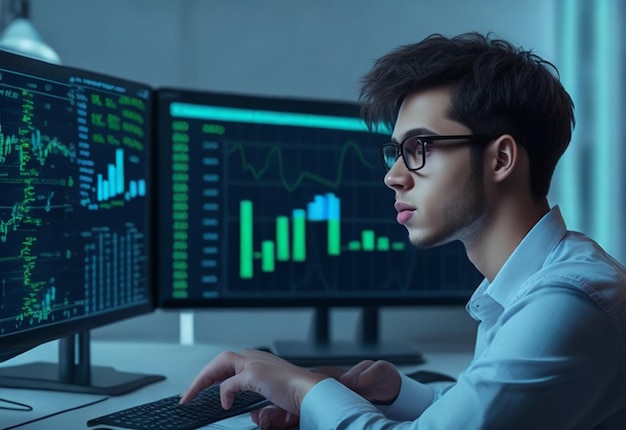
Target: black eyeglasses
{"x":412,"y":149}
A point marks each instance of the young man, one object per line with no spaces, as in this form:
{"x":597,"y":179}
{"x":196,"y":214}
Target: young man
{"x":478,"y":127}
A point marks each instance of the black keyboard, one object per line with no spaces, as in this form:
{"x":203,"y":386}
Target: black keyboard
{"x":167,"y":414}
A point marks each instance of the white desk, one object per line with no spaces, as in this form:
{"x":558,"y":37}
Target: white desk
{"x":178,"y":363}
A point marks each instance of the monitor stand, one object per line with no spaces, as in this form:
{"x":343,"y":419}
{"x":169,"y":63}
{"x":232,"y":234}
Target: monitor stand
{"x":322,"y":351}
{"x":74,"y":373}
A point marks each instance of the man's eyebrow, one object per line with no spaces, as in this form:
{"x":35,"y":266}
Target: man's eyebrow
{"x":419,"y":131}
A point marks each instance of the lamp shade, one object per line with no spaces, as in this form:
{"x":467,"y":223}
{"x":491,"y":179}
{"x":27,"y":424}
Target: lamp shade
{"x":20,"y":37}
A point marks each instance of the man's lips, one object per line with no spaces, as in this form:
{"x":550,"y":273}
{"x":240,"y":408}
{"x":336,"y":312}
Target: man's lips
{"x":405,"y":212}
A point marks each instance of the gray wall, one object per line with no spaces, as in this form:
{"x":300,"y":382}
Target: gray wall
{"x":304,"y":48}
{"x":316,"y":48}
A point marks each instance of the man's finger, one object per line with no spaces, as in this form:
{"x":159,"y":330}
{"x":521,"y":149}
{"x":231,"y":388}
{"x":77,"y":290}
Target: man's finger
{"x":273,"y":417}
{"x":216,"y":371}
{"x":351,"y":378}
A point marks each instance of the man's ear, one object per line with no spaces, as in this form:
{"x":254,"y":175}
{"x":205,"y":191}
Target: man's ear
{"x":504,"y":155}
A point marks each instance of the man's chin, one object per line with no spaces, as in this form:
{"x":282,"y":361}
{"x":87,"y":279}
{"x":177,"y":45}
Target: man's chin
{"x":425,"y":241}
{"x":421,"y":242}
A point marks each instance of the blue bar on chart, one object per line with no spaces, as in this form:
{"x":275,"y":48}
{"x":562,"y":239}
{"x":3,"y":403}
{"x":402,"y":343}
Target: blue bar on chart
{"x":136,"y":188}
{"x":114,"y":184}
{"x":327,"y":207}
{"x":119,"y":169}
{"x":324,"y":207}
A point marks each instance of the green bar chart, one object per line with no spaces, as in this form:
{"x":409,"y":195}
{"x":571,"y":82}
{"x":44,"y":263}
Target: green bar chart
{"x":268,"y":203}
{"x":290,"y":240}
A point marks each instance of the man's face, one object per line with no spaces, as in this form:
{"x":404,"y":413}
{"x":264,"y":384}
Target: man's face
{"x":445,"y":200}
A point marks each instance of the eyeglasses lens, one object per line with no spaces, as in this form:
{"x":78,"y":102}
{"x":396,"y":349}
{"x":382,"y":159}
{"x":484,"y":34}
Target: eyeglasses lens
{"x":413,"y":149}
{"x":390,"y":153}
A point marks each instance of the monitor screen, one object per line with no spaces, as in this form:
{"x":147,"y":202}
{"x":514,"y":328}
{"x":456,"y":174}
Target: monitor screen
{"x":75,"y":173}
{"x":281,"y":202}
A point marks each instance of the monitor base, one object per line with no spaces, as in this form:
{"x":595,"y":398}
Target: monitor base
{"x":310,"y":354}
{"x":46,"y":376}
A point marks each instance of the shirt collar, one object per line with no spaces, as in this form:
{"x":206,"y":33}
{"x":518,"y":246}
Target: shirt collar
{"x":528,"y":257}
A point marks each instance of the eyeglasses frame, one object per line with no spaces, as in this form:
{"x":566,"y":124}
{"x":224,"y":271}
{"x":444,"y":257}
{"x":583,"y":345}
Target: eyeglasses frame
{"x":428,"y":140}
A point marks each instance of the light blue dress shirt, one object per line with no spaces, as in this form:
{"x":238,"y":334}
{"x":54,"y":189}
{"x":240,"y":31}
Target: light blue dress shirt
{"x":550,"y":350}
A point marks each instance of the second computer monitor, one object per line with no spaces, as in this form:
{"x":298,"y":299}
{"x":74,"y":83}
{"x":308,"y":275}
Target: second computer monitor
{"x":277,"y":202}
{"x":280,"y":202}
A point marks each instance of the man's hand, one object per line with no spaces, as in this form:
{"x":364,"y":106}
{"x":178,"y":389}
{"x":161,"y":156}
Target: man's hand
{"x":279,"y":381}
{"x":272,"y":417}
{"x":377,"y":381}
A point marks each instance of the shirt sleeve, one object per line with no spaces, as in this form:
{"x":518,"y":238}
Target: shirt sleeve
{"x":412,"y":400}
{"x":329,"y":403}
{"x":549,"y":364}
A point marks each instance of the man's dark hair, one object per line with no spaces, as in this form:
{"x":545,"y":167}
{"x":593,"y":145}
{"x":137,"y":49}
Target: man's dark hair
{"x":496,"y":89}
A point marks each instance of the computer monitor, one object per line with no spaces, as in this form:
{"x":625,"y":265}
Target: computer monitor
{"x":75,"y":230}
{"x":270,"y":202}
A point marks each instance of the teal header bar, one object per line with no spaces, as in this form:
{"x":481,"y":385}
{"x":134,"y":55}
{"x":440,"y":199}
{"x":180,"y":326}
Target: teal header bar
{"x":220,"y":113}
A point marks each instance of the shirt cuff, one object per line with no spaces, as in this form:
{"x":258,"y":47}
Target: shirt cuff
{"x":329,"y":403}
{"x":412,"y":400}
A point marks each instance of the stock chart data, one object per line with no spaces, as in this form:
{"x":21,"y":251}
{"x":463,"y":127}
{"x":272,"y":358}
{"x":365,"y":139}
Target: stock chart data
{"x":259,"y":202}
{"x":72,"y":216}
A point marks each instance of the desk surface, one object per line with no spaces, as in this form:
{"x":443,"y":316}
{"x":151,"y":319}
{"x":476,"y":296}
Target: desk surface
{"x":178,"y":363}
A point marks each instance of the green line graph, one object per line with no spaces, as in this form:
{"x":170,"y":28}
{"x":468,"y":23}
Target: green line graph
{"x":276,"y":152}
